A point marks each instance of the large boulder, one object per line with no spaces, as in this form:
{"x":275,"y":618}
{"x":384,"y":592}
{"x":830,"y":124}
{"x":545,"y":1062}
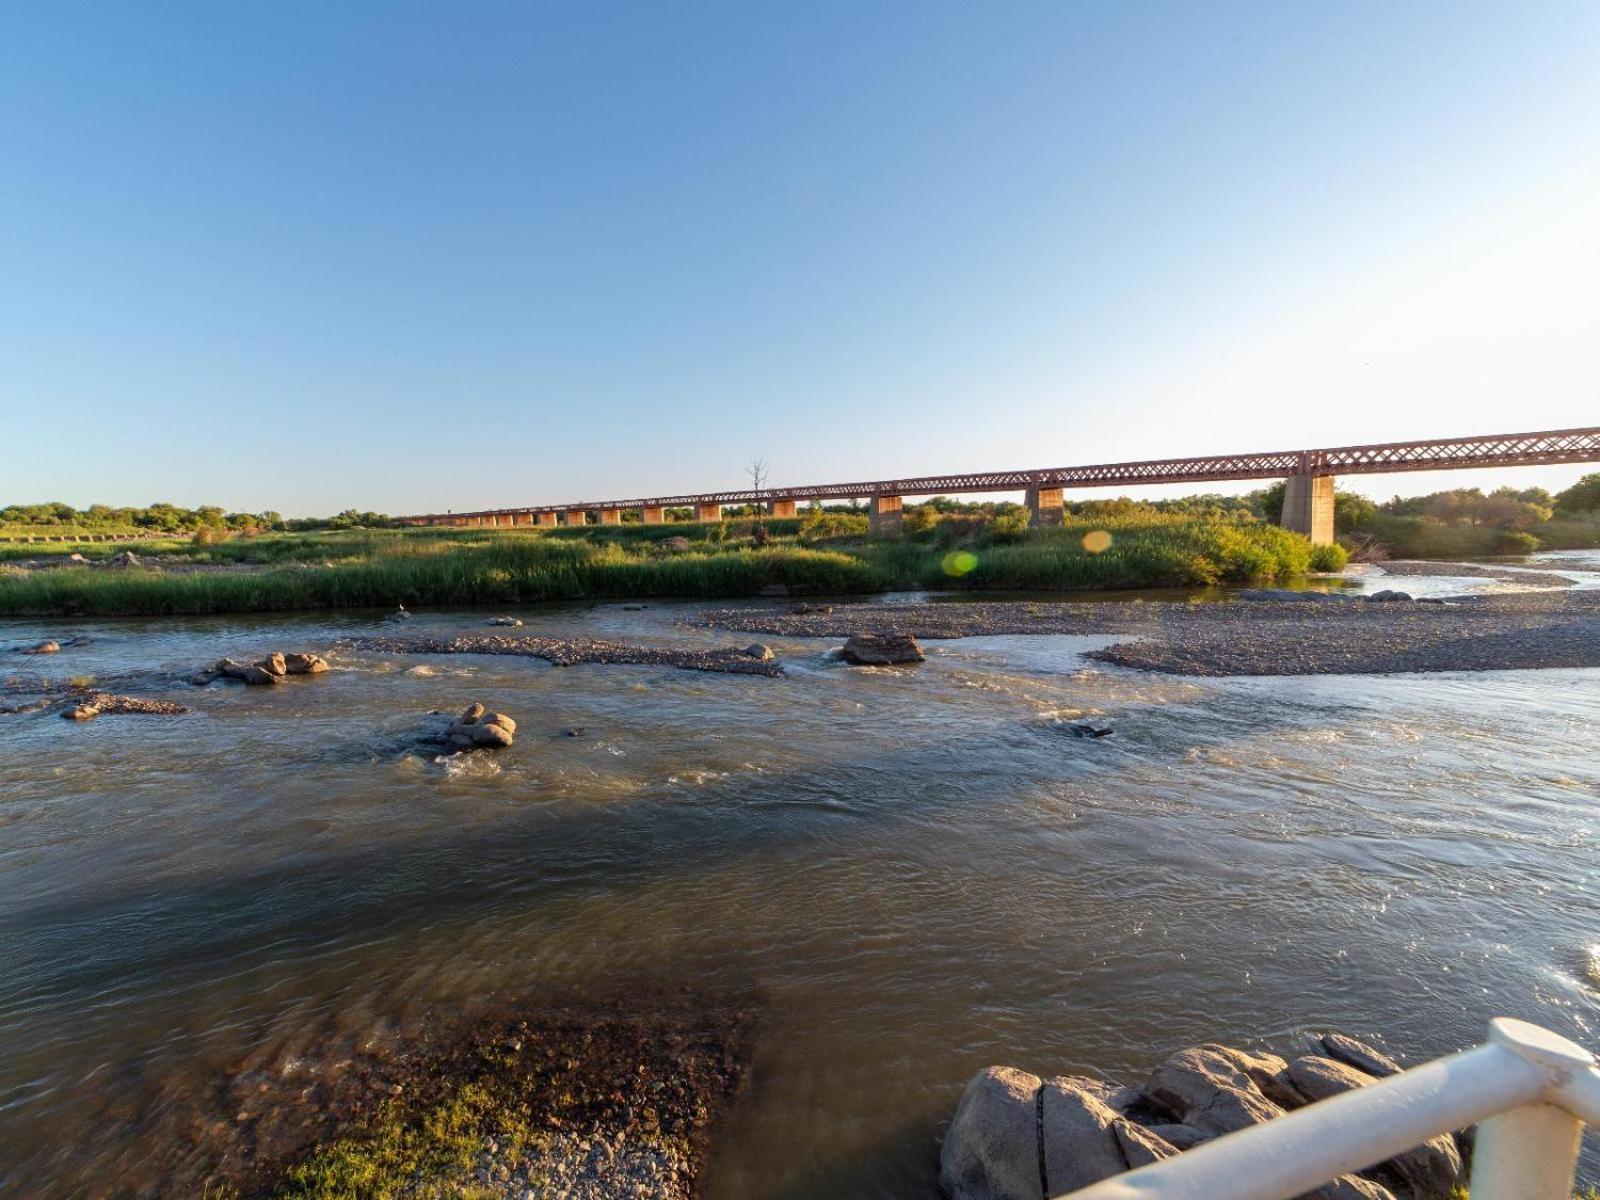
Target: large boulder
{"x":1180,"y":1136}
{"x":1140,"y":1146}
{"x":1359,"y":1055}
{"x":1430,"y":1171}
{"x":1317,"y":1078}
{"x":1203,"y":1087}
{"x":274,"y":664}
{"x":305,"y":664}
{"x":251,"y":673}
{"x":1080,"y":1142}
{"x":991,"y":1150}
{"x":881,"y":649}
{"x":479,"y":729}
{"x":1268,"y":1072}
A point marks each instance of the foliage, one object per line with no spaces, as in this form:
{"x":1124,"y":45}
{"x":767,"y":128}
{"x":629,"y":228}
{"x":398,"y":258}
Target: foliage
{"x":1581,"y":497}
{"x":56,"y":517}
{"x":818,"y":554}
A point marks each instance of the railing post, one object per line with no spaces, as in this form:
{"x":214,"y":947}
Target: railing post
{"x":1531,"y":1152}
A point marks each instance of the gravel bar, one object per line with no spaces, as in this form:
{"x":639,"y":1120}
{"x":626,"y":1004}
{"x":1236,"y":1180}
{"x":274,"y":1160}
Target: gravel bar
{"x":1337,"y":637}
{"x":567,"y":652}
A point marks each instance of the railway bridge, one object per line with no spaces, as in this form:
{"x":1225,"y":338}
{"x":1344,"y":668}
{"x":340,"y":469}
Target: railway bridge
{"x":1307,"y":508}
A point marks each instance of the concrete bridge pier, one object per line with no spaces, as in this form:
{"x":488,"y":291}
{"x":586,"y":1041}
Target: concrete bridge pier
{"x":708,"y":512}
{"x":653,"y":516}
{"x":611,"y":516}
{"x":1308,"y":507}
{"x":782,"y":508}
{"x":1045,"y":506}
{"x":884,"y":515}
{"x":577,"y":516}
{"x":545,"y":520}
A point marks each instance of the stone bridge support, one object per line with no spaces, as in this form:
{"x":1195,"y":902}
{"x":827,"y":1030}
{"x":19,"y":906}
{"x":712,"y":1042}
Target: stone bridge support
{"x":884,"y":515}
{"x":653,"y":516}
{"x":577,"y":516}
{"x":1308,"y":507}
{"x":1045,"y":506}
{"x":783,"y":508}
{"x":708,"y":512}
{"x":545,"y":520}
{"x":611,"y":516}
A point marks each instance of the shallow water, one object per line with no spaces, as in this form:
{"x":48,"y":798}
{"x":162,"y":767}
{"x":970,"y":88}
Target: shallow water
{"x":916,"y":875}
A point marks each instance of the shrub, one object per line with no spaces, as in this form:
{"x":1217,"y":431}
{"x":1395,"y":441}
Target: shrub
{"x":1515,"y":541}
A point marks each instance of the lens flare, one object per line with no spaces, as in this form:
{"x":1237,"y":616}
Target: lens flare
{"x":958,"y":562}
{"x":1096,"y":540}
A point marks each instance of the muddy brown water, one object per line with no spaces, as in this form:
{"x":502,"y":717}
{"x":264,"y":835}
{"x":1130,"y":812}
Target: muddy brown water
{"x":916,"y":874}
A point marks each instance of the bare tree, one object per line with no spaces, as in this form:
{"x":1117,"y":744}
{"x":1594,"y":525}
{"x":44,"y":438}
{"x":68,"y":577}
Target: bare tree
{"x":758,"y":482}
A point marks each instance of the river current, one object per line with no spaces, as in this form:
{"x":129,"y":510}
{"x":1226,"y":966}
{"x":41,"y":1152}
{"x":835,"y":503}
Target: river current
{"x":911,"y":867}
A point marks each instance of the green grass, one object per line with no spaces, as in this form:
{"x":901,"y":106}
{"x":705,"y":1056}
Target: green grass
{"x":435,"y":567}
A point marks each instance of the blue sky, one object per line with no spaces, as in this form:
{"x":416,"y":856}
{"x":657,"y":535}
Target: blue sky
{"x":412,"y":257}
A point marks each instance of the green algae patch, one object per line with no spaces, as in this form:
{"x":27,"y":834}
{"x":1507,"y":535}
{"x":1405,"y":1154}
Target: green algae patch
{"x":575,"y":1104}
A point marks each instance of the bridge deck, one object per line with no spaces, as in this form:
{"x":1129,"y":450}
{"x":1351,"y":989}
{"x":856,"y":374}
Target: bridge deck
{"x":1438,"y":454}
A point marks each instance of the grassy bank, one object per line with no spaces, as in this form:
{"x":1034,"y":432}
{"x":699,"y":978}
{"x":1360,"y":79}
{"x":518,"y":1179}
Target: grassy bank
{"x":485,"y":567}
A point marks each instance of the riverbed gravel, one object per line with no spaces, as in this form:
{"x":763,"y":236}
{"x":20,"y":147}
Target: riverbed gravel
{"x":567,"y":652}
{"x":1337,"y":637}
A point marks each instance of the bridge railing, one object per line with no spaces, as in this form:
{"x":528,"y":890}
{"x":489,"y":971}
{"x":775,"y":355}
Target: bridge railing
{"x":1529,"y":1091}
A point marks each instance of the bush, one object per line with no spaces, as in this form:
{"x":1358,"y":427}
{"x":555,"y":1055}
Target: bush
{"x":1515,"y":541}
{"x":1329,"y":558}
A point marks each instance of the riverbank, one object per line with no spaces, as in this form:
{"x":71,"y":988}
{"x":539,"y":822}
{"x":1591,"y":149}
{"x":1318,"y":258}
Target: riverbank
{"x":1349,"y":637}
{"x":731,"y":559}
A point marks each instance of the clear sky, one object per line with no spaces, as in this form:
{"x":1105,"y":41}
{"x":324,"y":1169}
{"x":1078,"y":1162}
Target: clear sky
{"x":410,"y":257}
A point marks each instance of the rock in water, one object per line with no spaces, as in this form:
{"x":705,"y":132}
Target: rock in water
{"x":477,"y":728}
{"x":82,"y":712}
{"x":513,"y":622}
{"x":43,"y":648}
{"x":1359,"y":1055}
{"x":305,"y":664}
{"x":1206,"y":1089}
{"x":991,"y":1150}
{"x":881,"y":649}
{"x":759,"y":651}
{"x":273,"y":664}
{"x":1388,"y":597}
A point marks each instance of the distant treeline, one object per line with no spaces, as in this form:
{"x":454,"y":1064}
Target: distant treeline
{"x":1457,"y":523}
{"x":170,"y":518}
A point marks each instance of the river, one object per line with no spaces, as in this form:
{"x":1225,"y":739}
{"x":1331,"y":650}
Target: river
{"x":914,"y":873}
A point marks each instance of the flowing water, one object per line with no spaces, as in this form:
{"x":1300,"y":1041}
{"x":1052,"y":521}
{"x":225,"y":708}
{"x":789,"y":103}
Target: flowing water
{"x":916,"y":874}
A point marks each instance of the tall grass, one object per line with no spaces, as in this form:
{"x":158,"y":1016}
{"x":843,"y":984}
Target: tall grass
{"x":365,"y":569}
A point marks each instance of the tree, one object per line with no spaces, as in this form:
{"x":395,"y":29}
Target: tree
{"x":1581,"y":497}
{"x":758,"y":482}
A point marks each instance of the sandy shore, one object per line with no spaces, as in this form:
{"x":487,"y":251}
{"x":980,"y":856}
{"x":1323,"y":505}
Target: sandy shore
{"x":1488,"y":633}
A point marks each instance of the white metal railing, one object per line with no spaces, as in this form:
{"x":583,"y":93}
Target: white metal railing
{"x":1528,"y":1090}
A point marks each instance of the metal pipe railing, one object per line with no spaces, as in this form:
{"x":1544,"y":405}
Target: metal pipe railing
{"x":1529,"y":1091}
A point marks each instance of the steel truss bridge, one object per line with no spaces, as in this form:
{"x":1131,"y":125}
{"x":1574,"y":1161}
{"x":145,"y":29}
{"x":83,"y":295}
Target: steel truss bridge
{"x":1436,"y":454}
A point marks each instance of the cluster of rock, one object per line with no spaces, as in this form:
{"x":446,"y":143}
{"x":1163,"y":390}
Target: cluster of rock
{"x":274,"y":668}
{"x":511,"y":622}
{"x":881,"y":649}
{"x":104,"y":703}
{"x":1018,"y":1137}
{"x":479,"y":729}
